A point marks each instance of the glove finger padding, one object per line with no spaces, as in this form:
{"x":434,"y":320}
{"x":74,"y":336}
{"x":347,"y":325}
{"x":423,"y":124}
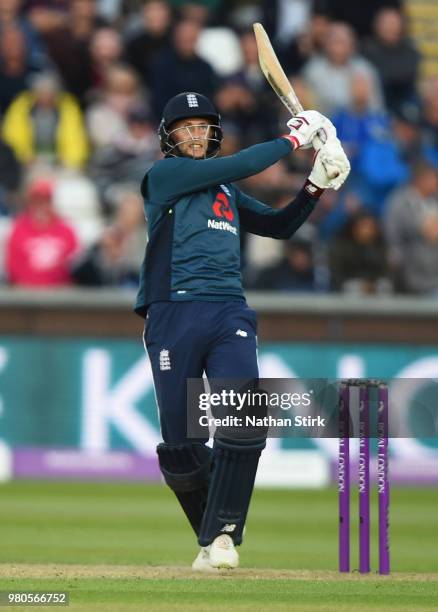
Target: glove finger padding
{"x":318,"y":176}
{"x":326,"y":133}
{"x":332,"y":154}
{"x":304,"y":127}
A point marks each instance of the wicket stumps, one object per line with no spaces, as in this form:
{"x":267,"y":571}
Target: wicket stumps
{"x":344,"y":478}
{"x":345,"y":404}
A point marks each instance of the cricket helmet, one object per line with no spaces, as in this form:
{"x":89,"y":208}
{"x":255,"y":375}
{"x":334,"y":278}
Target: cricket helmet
{"x":183,"y":106}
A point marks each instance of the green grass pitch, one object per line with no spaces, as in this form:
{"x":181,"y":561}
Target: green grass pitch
{"x":128,"y":547}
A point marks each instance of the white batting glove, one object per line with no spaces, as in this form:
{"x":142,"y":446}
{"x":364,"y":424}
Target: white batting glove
{"x":325,"y":134}
{"x":331,"y":155}
{"x":303,"y":128}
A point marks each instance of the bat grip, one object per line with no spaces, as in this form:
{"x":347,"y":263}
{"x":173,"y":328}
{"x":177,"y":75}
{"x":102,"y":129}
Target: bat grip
{"x":318,"y":141}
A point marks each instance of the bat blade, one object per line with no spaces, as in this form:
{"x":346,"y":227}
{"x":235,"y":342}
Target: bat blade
{"x":279,"y":82}
{"x":273,"y":71}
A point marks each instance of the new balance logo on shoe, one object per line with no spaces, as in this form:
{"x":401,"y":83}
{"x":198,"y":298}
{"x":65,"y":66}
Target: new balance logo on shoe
{"x":229,"y":528}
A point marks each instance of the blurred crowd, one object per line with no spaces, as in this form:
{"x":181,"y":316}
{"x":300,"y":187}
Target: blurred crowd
{"x":82,"y":87}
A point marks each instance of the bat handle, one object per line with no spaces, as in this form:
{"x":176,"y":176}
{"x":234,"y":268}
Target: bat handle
{"x":318,"y":141}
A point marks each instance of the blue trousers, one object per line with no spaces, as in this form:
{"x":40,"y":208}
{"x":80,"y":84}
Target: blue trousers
{"x":185,"y":339}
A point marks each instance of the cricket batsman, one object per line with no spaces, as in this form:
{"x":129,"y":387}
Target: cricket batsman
{"x":197,"y":319}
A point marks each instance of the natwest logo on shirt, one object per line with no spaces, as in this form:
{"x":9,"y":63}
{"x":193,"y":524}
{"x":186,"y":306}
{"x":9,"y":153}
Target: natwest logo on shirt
{"x":222,"y":208}
{"x":222,"y":225}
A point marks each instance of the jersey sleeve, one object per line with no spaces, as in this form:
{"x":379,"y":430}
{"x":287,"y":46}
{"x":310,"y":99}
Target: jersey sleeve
{"x":174,"y":177}
{"x":258,"y":218}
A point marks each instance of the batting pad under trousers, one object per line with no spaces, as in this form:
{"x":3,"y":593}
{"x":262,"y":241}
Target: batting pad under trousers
{"x":184,"y":340}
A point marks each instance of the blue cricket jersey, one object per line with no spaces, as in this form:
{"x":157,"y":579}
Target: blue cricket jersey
{"x":195,"y":214}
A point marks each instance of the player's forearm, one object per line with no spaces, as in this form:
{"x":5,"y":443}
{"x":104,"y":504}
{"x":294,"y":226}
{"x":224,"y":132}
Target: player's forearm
{"x":252,"y":160}
{"x":188,"y":175}
{"x":287,"y":220}
{"x":260,"y":219}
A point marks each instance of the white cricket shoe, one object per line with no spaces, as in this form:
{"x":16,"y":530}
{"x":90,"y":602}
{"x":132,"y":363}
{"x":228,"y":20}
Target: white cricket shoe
{"x":202,"y":561}
{"x":223,"y":555}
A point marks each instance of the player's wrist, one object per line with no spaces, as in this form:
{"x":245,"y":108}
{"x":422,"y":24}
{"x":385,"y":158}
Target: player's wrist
{"x":312,"y":189}
{"x":293,"y":141}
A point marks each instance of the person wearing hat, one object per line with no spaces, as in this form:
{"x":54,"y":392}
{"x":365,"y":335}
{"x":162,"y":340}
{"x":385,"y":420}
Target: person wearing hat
{"x":197,"y":319}
{"x":41,"y":245}
{"x":46,"y":124}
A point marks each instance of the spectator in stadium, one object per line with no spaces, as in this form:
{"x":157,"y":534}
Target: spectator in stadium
{"x":124,"y":162}
{"x":84,"y":19}
{"x":429,"y":120}
{"x":179,"y":68}
{"x":359,"y":15}
{"x":11,"y":16}
{"x":308,"y":43}
{"x":286,"y":20}
{"x":295,"y":272}
{"x":106,"y":119}
{"x":329,"y":75}
{"x":296,"y":29}
{"x":84,"y":49}
{"x":384,"y":161}
{"x":394,"y":57}
{"x":376,"y":145}
{"x":144,"y":46}
{"x":41,"y":245}
{"x":379,"y":169}
{"x":10,"y":177}
{"x":112,"y":10}
{"x":15,"y":65}
{"x":116,"y":258}
{"x":106,"y":49}
{"x":45,"y":124}
{"x":358,"y":260}
{"x":411,"y":227}
{"x":274,"y":186}
{"x":359,"y":122}
{"x":406,"y":127}
{"x":47,"y":15}
{"x":69,"y":46}
{"x":199,"y":11}
{"x":244,"y":98}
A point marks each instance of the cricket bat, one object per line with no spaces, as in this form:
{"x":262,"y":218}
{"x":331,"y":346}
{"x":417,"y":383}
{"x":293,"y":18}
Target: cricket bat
{"x":279,"y":82}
